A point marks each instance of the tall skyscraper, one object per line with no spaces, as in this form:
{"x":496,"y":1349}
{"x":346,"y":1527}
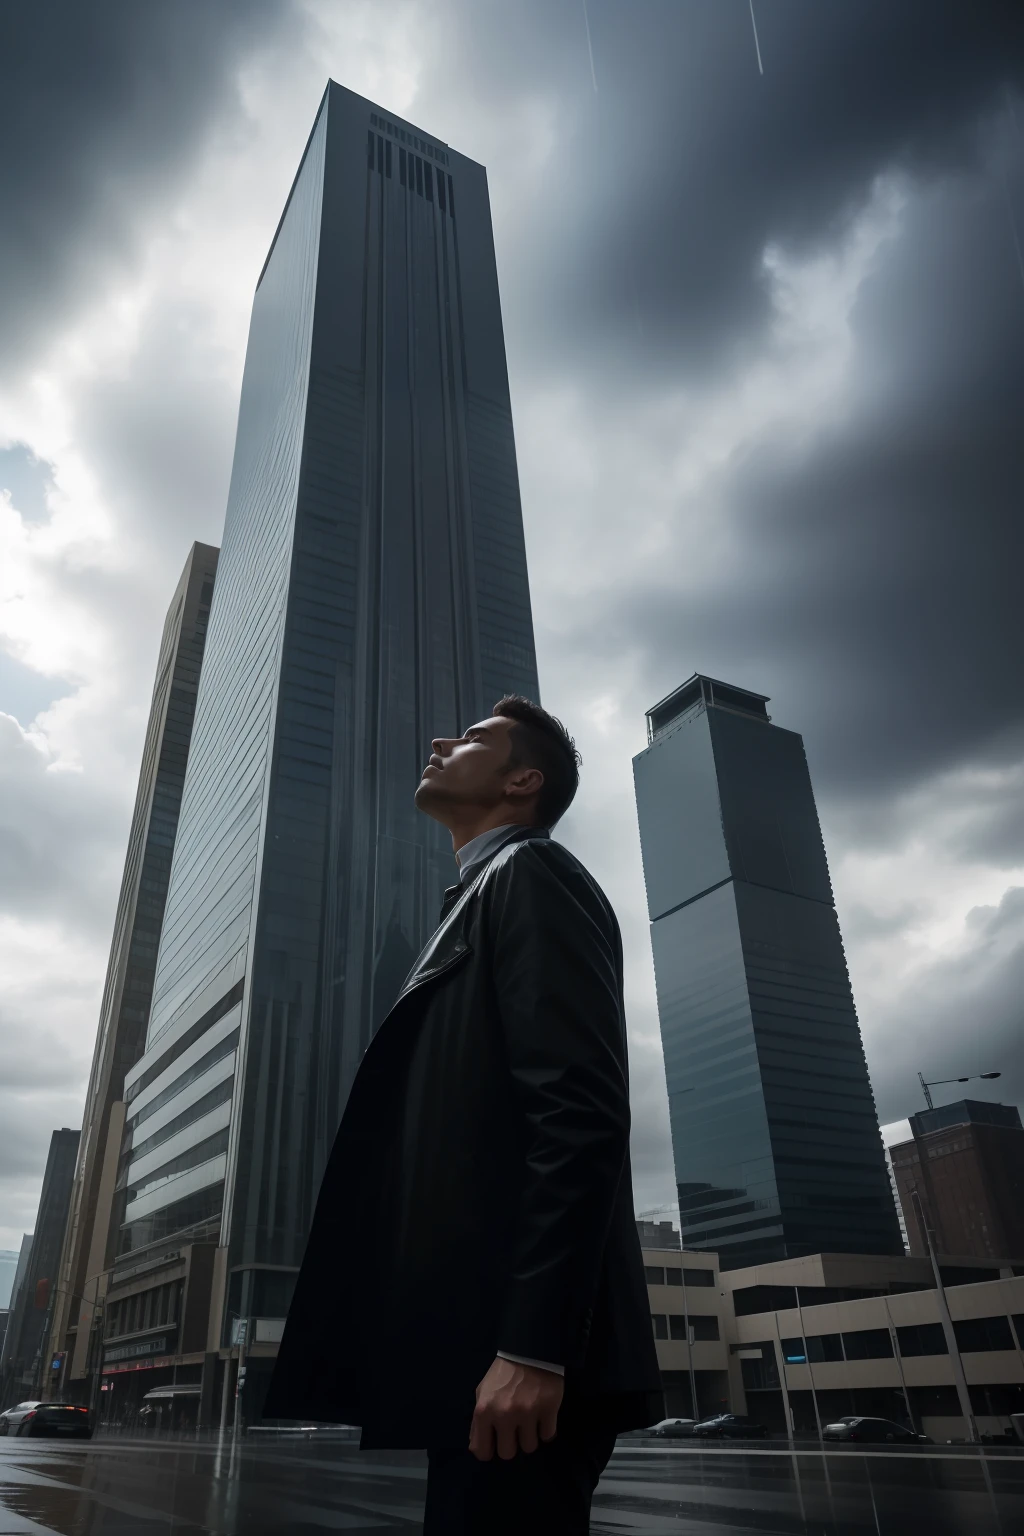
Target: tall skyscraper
{"x":8,"y":1270}
{"x":371,"y":593}
{"x":776,"y":1140}
{"x":128,"y":990}
{"x":11,"y":1308}
{"x":965,"y":1162}
{"x":25,"y":1357}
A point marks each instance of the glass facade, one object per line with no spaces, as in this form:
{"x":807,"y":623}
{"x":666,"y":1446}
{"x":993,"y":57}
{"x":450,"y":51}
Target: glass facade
{"x":128,"y":990}
{"x":774,"y":1131}
{"x":372,"y":594}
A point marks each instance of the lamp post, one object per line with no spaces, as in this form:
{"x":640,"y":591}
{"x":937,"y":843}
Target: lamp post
{"x":941,"y":1082}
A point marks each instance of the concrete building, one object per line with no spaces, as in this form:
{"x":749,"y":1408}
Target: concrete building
{"x":371,"y":592}
{"x":657,"y":1234}
{"x":810,"y":1339}
{"x":774,"y":1132}
{"x":691,"y":1318}
{"x":128,"y":989}
{"x":966,"y":1163}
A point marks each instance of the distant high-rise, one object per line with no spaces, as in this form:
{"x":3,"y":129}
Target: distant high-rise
{"x":128,"y":990}
{"x":8,"y":1270}
{"x":25,"y":1347}
{"x":371,"y":593}
{"x":12,"y":1305}
{"x":966,"y":1163}
{"x":774,"y":1131}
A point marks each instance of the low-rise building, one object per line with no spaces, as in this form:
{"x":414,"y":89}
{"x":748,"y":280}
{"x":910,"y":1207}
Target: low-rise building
{"x":800,"y":1342}
{"x":964,"y":1163}
{"x":690,"y":1315}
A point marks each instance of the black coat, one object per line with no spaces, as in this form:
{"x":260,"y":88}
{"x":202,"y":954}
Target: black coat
{"x":478,"y":1197}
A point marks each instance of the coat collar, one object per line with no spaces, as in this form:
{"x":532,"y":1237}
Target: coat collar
{"x":448,"y":944}
{"x":512,"y":834}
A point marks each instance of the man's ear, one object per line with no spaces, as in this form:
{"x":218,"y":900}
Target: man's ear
{"x":524,"y":784}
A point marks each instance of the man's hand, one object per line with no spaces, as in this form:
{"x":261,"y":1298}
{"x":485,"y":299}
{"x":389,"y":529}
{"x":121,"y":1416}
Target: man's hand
{"x":515,"y":1406}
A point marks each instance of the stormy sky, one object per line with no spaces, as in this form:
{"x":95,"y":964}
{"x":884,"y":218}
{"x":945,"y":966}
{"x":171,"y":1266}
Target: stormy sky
{"x":766,"y":346}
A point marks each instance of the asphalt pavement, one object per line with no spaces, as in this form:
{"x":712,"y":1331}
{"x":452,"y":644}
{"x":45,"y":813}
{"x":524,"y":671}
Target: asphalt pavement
{"x":123,"y":1487}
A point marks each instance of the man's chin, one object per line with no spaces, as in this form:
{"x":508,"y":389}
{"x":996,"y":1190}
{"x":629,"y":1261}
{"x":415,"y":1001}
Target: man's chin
{"x":429,"y":797}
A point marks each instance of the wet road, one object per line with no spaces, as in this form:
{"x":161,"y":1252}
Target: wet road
{"x":113,"y":1487}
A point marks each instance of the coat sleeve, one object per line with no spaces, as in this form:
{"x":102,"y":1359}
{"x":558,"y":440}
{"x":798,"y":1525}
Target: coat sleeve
{"x":557,"y":973}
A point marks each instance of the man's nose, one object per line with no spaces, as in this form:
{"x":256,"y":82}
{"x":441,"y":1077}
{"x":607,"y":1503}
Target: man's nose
{"x":441,"y":745}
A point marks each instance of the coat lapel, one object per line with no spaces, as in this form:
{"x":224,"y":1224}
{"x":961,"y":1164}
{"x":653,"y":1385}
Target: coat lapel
{"x":448,"y":945}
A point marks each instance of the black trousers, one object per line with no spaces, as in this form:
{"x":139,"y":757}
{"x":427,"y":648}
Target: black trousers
{"x":546,"y":1493}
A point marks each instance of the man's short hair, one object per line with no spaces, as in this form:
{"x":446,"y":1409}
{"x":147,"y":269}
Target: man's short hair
{"x":541,"y":741}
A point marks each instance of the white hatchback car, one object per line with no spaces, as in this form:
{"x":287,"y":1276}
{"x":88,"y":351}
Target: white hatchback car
{"x":37,"y":1418}
{"x":12,"y":1420}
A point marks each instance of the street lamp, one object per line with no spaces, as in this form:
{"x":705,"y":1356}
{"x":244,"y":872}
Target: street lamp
{"x":940,"y":1082}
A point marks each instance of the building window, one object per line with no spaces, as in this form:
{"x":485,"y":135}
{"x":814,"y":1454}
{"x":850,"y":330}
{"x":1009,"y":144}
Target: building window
{"x":440,"y":191}
{"x":922,"y":1339}
{"x":1018,"y":1323}
{"x":419,"y":175}
{"x":868,"y":1344}
{"x":660,"y":1325}
{"x":983,"y":1333}
{"x":751,"y":1299}
{"x":369,"y":150}
{"x":760,"y":1375}
{"x":387,"y":158}
{"x":451,"y":198}
{"x":816,"y":1349}
{"x":428,"y":182}
{"x":380,"y":153}
{"x":653,"y":1275}
{"x":705,"y":1327}
{"x":704,"y":1277}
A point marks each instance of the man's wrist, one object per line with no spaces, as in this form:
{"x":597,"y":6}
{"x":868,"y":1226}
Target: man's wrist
{"x":540,"y":1365}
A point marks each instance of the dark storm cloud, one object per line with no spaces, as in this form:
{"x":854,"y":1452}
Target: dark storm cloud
{"x":878,"y":583}
{"x":687,"y":161}
{"x":102,"y":104}
{"x":960,"y":1015}
{"x":876,"y":576}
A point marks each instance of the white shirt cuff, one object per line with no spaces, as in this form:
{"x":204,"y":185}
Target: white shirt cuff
{"x":541,"y":1365}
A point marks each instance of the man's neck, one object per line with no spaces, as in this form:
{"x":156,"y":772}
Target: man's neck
{"x":463,"y":834}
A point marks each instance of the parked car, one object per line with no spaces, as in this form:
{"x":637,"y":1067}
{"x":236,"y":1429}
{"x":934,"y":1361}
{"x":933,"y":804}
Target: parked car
{"x":36,"y":1418}
{"x":13,"y":1417}
{"x":672,"y":1429}
{"x":730,"y":1426}
{"x":875,"y":1431}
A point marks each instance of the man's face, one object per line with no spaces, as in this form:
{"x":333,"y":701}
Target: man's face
{"x":471,"y":771}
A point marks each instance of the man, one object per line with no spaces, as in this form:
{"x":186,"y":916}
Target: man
{"x":474,"y":1251}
